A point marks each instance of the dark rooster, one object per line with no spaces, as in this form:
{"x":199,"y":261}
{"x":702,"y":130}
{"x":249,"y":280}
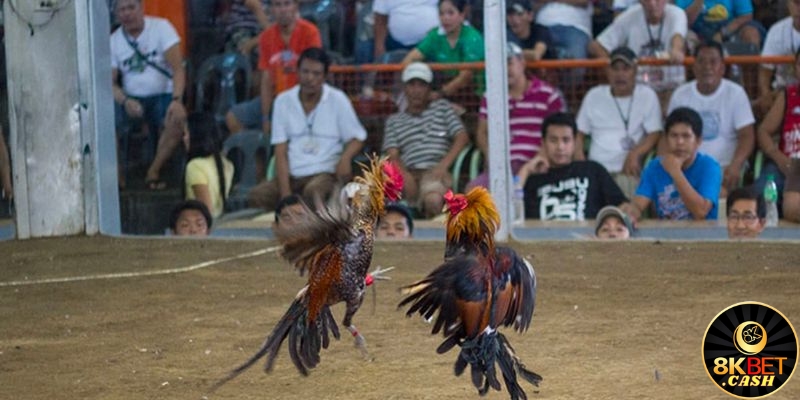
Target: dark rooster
{"x":334,"y":245}
{"x":479,"y":288}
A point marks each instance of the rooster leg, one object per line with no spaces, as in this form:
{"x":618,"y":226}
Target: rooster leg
{"x":360,"y":342}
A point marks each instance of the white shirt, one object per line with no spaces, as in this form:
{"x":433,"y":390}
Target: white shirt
{"x":138,"y":78}
{"x":555,"y":13}
{"x":409,"y":20}
{"x":602,"y":117}
{"x":782,"y":40}
{"x":631,"y":29}
{"x":315,"y":140}
{"x":723,"y":112}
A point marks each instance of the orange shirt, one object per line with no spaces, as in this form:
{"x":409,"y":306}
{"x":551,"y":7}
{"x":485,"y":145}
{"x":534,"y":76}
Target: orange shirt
{"x":172,"y":10}
{"x":280,"y":58}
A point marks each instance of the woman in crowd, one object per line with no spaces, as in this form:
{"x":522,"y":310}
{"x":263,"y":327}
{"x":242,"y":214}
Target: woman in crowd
{"x":454,"y":41}
{"x":209,"y":174}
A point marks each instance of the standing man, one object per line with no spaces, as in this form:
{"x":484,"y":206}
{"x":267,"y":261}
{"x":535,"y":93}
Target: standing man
{"x":424,"y":140}
{"x":728,"y":133}
{"x":279,"y":48}
{"x":148,"y":80}
{"x":683,"y":184}
{"x":316,"y":134}
{"x":622,"y":120}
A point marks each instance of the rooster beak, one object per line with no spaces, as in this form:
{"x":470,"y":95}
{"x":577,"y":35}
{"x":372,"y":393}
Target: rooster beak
{"x":445,"y":208}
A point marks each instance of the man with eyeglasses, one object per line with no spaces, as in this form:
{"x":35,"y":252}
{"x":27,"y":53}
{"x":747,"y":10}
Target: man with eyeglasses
{"x":746,"y":214}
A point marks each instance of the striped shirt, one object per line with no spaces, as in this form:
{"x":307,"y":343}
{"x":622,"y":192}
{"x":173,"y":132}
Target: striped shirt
{"x":525,"y":117}
{"x":423,"y":139}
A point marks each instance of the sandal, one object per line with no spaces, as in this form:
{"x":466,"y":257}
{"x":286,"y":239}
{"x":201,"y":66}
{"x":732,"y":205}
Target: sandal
{"x":155,"y":184}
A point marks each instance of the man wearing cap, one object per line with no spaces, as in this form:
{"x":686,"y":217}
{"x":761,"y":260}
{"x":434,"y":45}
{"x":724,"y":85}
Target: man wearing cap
{"x":622,"y":120}
{"x":424,"y":140}
{"x":533,"y":38}
{"x":728,"y":133}
{"x":652,"y":28}
{"x":530,"y":100}
{"x":613,"y":223}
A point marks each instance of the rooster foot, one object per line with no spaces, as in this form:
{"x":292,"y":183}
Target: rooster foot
{"x":360,"y":342}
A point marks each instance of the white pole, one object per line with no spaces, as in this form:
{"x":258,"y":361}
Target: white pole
{"x":494,"y":28}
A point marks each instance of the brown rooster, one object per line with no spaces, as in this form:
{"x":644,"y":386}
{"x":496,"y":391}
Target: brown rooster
{"x":479,"y":288}
{"x":334,"y":245}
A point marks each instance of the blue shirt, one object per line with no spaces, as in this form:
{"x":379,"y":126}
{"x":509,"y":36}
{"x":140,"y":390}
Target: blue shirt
{"x":705,"y":176}
{"x":717,"y":13}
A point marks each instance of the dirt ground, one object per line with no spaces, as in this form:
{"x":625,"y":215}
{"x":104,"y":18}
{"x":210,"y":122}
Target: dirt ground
{"x":610,"y":318}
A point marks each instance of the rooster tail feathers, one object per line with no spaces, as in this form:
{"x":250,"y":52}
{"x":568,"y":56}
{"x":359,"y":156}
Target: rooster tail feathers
{"x":271,"y":345}
{"x":305,"y":340}
{"x":511,"y":366}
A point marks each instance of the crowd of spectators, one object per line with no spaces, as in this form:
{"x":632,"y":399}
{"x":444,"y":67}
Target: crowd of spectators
{"x":636,"y":164}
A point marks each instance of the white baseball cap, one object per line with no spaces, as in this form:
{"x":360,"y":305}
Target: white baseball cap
{"x":417,"y":70}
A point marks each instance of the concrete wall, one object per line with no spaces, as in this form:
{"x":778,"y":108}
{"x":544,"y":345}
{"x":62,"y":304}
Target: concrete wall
{"x":54,"y":120}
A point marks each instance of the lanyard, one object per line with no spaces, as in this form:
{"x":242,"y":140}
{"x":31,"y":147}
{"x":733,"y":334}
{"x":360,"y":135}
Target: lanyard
{"x":625,"y":118}
{"x":650,"y":33}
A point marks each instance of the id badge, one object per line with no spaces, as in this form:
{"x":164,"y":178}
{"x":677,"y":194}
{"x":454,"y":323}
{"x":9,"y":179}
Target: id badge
{"x":627,"y":143}
{"x":310,"y":146}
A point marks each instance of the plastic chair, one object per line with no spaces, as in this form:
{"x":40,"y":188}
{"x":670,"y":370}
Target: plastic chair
{"x":225,"y":67}
{"x":243,"y":150}
{"x":457,"y":166}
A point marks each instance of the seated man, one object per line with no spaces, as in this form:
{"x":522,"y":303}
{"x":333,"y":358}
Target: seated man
{"x":279,"y":47}
{"x":682,"y":184}
{"x":569,"y":190}
{"x":424,"y":140}
{"x":781,"y":41}
{"x":190,"y":218}
{"x":146,"y":58}
{"x":723,"y":21}
{"x":782,"y":121}
{"x":533,"y":38}
{"x":613,"y":223}
{"x":650,"y":29}
{"x":530,"y":100}
{"x":396,"y":224}
{"x":747,"y":214}
{"x":728,"y":133}
{"x":622,"y":120}
{"x":316,"y":134}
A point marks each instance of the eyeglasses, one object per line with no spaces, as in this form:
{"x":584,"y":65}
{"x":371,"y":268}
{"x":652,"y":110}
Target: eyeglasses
{"x":746,"y":218}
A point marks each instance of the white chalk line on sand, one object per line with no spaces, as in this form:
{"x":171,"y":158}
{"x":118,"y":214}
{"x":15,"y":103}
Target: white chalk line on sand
{"x":119,"y":275}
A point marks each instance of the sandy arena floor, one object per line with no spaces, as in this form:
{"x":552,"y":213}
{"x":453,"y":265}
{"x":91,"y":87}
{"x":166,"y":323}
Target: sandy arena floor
{"x":610,"y":317}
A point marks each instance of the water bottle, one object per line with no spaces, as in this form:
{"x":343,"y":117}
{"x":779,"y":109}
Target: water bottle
{"x":518,"y":202}
{"x":771,"y":199}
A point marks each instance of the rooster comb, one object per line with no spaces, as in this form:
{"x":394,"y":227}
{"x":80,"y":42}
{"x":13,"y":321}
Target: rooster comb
{"x":473,"y":214}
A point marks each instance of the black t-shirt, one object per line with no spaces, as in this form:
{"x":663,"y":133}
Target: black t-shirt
{"x":575,"y":192}
{"x":539,"y":33}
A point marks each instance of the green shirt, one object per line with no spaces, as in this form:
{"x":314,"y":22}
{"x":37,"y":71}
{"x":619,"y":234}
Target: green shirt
{"x":468,"y":48}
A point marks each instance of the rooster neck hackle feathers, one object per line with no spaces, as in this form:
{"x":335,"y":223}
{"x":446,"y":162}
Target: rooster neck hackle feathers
{"x":381,"y":180}
{"x":473,"y":218}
